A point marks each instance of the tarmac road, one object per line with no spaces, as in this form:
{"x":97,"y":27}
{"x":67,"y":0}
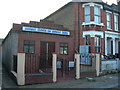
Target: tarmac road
{"x":107,"y":81}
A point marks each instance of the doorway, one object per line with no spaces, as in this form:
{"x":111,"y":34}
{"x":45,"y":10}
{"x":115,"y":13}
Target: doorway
{"x":112,"y":47}
{"x":119,"y":49}
{"x":46,"y":50}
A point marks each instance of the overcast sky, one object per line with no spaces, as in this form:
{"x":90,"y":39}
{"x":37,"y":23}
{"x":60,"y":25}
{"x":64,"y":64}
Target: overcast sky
{"x":17,"y":11}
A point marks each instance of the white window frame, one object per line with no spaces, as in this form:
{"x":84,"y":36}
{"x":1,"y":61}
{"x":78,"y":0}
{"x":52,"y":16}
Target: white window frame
{"x":98,"y":15}
{"x":116,"y":22}
{"x":108,"y":21}
{"x":92,"y":22}
{"x":87,"y":14}
{"x":97,"y":44}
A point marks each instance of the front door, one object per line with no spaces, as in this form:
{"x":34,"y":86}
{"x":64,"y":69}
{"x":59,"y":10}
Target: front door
{"x":119,"y":49}
{"x":112,"y":47}
{"x":46,"y":50}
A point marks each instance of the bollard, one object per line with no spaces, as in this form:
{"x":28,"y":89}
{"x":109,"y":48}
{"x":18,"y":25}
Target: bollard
{"x":54,"y":67}
{"x":97,"y":64}
{"x":77,"y":58}
{"x":21,"y":69}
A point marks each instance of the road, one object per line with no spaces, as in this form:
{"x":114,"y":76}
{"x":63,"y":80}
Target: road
{"x":106,"y":81}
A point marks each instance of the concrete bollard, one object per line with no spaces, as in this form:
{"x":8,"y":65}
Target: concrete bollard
{"x":77,"y":58}
{"x":97,"y":64}
{"x":54,"y":67}
{"x":21,"y":69}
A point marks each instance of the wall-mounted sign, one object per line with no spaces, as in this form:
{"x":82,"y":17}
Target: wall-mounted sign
{"x":85,"y":59}
{"x":43,"y":30}
{"x":71,"y":63}
{"x":58,"y":64}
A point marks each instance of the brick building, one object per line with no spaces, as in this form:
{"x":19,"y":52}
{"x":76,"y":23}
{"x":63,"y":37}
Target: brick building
{"x":95,"y":24}
{"x":71,"y":29}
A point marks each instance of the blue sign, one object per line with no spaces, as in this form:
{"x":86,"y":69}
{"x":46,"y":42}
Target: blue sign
{"x":85,"y":59}
{"x":43,"y":30}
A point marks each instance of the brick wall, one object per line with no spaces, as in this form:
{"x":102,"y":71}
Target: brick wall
{"x":37,"y":37}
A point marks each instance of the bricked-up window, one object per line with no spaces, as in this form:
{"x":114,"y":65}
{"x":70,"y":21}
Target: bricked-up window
{"x":108,"y":20}
{"x":87,"y":14}
{"x":97,"y":44}
{"x":64,"y":48}
{"x":29,"y":46}
{"x":116,"y":22}
{"x":97,"y":14}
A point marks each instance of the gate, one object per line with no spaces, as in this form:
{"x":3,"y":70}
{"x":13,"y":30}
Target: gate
{"x":87,"y":65}
{"x":65,"y":70}
{"x":31,"y":63}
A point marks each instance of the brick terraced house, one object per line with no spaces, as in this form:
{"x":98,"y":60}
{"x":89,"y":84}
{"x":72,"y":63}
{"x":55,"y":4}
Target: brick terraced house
{"x":77,"y":27}
{"x":95,"y":24}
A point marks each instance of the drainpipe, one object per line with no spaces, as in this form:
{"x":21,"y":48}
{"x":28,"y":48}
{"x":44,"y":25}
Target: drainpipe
{"x":78,"y":25}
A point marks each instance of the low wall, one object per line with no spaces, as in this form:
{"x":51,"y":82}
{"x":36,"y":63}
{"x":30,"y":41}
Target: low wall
{"x":38,"y":78}
{"x":109,"y":65}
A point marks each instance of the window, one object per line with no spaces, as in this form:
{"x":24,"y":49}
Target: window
{"x":64,"y":48}
{"x":87,"y":42}
{"x":29,"y":46}
{"x":87,"y":38}
{"x":87,"y":14}
{"x":108,"y":21}
{"x":97,"y":44}
{"x":97,"y":14}
{"x":116,"y":22}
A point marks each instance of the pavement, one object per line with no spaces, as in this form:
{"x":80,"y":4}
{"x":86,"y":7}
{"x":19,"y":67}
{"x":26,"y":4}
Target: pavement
{"x":106,"y":81}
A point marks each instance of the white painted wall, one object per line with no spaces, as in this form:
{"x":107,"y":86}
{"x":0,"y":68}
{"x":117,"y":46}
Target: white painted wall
{"x":116,"y":45}
{"x":110,"y":65}
{"x":93,"y":33}
{"x":115,"y":36}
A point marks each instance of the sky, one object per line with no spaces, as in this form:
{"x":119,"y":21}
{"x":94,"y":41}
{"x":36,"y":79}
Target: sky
{"x":17,"y":11}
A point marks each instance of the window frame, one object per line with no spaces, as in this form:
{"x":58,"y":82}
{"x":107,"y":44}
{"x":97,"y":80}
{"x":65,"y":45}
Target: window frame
{"x":62,"y":45}
{"x":29,"y":44}
{"x":115,"y":22}
{"x":97,"y":15}
{"x":87,"y":39}
{"x":97,"y":44}
{"x":87,"y":14}
{"x":108,"y":15}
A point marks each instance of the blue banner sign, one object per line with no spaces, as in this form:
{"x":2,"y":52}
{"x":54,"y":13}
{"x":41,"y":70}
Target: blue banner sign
{"x":43,"y":30}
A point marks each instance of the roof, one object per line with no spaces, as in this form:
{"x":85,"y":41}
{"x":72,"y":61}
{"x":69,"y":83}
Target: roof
{"x":105,"y":6}
{"x":87,"y":1}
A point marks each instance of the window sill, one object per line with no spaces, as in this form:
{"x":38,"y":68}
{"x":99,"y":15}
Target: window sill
{"x":109,"y":28}
{"x":116,"y":30}
{"x":64,"y":54}
{"x":101,"y":24}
